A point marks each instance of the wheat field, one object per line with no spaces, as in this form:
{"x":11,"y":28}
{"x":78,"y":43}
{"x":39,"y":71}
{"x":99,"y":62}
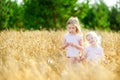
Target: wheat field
{"x":37,"y":55}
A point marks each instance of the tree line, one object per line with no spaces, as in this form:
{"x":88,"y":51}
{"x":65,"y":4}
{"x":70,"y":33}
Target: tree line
{"x":53,"y":14}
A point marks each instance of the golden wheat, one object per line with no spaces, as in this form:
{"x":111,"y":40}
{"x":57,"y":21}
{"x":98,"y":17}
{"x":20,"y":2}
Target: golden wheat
{"x":37,"y":55}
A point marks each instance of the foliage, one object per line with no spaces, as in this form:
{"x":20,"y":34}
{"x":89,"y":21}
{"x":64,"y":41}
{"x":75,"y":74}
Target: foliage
{"x":47,"y":13}
{"x":114,"y":19}
{"x":53,"y":14}
{"x":2,"y":14}
{"x":97,"y":17}
{"x":11,"y":16}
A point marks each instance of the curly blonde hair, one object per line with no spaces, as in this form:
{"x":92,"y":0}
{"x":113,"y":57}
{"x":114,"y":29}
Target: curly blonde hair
{"x":95,"y":35}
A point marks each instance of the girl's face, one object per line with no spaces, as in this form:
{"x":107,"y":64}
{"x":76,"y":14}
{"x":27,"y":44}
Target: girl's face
{"x":92,"y":40}
{"x":71,"y":28}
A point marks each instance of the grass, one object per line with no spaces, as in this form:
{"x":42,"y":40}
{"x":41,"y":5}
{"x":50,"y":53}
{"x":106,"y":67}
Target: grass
{"x":37,"y":55}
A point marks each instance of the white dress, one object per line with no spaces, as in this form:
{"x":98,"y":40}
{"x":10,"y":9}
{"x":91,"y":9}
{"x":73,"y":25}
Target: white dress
{"x":71,"y":51}
{"x":93,"y":54}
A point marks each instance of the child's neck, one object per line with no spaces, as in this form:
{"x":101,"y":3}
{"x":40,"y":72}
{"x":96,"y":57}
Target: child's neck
{"x":94,"y":45}
{"x":72,"y":33}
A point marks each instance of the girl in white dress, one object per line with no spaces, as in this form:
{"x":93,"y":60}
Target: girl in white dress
{"x":93,"y":52}
{"x":72,"y":41}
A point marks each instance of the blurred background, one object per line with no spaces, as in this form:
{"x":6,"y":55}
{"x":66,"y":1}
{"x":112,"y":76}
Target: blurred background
{"x":31,"y":33}
{"x":53,"y":14}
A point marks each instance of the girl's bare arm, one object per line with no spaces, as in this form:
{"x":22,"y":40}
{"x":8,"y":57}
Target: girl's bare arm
{"x":65,"y":44}
{"x":77,"y":46}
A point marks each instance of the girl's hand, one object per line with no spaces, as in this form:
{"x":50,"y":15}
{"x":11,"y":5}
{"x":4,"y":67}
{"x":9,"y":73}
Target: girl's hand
{"x":67,"y":44}
{"x":82,"y":57}
{"x":71,"y":44}
{"x":76,"y":46}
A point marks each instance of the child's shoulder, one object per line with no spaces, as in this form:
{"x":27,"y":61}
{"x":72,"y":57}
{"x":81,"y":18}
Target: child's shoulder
{"x":97,"y":47}
{"x":66,"y":34}
{"x":87,"y":47}
{"x":79,"y":35}
{"x":100,"y":47}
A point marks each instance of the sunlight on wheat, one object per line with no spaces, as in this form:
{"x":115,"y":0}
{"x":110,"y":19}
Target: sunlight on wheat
{"x":37,"y":55}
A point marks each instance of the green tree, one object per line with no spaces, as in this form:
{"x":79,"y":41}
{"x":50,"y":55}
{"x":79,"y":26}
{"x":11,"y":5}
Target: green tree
{"x":2,"y":13}
{"x":81,"y":9}
{"x":47,"y":13}
{"x":10,"y":15}
{"x":97,"y":16}
{"x":53,"y":14}
{"x":115,"y":19}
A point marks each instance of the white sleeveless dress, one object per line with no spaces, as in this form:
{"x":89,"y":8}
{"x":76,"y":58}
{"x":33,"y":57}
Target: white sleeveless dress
{"x":71,"y":51}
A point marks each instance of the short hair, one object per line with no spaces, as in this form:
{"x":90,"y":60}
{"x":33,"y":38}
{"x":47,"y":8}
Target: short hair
{"x":94,"y":34}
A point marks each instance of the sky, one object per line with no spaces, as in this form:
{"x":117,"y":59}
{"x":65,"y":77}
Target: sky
{"x":110,"y":3}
